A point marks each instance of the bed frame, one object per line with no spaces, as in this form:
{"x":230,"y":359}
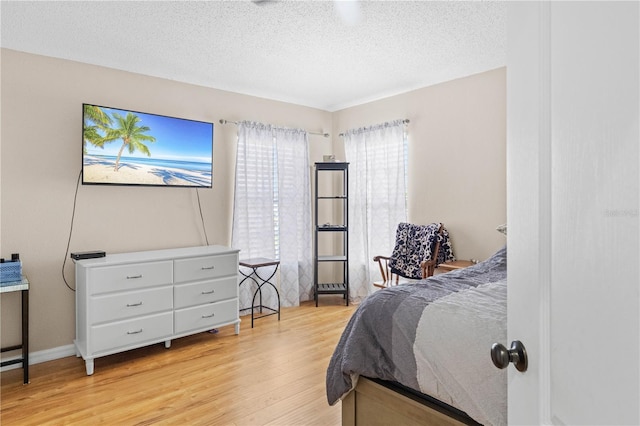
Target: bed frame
{"x":376,"y":402}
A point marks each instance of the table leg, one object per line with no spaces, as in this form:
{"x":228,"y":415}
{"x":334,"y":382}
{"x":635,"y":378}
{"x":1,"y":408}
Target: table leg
{"x":259,"y":288}
{"x":25,"y":335}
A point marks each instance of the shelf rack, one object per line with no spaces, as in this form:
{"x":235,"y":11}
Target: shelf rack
{"x":340,"y":258}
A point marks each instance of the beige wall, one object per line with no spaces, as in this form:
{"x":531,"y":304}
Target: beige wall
{"x":458,"y":128}
{"x":457,"y":156}
{"x":41,"y":160}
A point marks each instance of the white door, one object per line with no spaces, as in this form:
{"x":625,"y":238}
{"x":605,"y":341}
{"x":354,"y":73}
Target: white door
{"x":573,"y":189}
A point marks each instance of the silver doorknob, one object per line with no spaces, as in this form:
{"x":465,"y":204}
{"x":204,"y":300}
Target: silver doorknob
{"x":502,"y":356}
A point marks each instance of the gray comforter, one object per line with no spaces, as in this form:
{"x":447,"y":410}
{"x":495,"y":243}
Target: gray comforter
{"x":378,"y":341}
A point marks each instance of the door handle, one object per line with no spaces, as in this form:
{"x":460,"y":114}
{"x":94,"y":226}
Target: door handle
{"x":517,"y":354}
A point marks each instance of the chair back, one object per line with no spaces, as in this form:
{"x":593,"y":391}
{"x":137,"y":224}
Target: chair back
{"x":417,"y":252}
{"x":415,"y":244}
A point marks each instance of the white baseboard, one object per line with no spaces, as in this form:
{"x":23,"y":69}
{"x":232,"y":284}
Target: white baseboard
{"x":43,"y":356}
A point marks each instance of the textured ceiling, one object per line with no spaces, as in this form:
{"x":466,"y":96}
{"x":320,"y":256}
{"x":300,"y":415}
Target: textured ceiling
{"x":304,"y":52}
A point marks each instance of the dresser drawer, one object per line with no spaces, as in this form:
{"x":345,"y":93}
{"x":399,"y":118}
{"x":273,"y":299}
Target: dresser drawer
{"x":209,"y":315}
{"x":130,"y":277}
{"x":199,"y":268}
{"x":205,"y":292}
{"x":113,"y":307}
{"x":131,"y":333}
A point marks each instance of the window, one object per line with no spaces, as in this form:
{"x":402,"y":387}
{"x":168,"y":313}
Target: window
{"x":272,"y":205}
{"x":377,"y":196}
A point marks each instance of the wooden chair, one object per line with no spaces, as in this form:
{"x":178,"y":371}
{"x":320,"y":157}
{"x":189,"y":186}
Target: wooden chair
{"x":392,"y":276}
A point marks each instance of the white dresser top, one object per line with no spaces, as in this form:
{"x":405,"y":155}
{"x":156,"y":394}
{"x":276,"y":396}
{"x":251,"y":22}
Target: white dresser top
{"x":155,"y":255}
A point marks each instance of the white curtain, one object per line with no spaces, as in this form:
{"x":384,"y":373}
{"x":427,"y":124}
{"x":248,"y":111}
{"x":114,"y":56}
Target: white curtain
{"x":272,"y":209}
{"x":377,"y":198}
{"x":294,"y":211}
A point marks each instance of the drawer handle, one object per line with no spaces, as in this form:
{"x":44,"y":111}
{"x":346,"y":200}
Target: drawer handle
{"x":209,"y":292}
{"x":204,"y":268}
{"x":134,"y":304}
{"x":133,"y":277}
{"x":209,"y":316}
{"x":134,"y":332}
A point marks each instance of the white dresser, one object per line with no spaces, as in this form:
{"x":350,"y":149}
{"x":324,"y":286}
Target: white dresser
{"x":128,"y":300}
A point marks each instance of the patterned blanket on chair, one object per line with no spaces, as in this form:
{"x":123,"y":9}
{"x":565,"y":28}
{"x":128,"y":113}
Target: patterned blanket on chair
{"x":416,"y":243}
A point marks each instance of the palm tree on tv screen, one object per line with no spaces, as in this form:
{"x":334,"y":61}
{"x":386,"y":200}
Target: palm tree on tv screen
{"x":132,"y":135}
{"x":96,"y":120}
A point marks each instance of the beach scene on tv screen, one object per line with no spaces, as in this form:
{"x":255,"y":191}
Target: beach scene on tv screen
{"x":134,"y":148}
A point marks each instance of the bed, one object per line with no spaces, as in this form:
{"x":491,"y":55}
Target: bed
{"x":420,"y":353}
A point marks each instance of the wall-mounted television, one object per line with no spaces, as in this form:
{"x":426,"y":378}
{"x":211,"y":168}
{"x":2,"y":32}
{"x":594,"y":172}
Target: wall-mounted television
{"x":123,"y":147}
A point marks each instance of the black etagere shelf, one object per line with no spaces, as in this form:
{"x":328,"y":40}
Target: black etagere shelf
{"x":340,"y":181}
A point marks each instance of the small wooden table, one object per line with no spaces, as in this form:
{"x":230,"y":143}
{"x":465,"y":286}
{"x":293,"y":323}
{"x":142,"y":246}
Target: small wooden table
{"x":456,"y":264}
{"x":23,"y":287}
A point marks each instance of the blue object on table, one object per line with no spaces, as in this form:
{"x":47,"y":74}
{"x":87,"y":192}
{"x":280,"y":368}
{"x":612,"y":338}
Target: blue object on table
{"x":10,"y":272}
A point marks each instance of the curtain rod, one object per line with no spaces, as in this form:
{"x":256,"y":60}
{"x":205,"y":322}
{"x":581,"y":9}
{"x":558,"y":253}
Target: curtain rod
{"x":405,"y":121}
{"x":223,"y":121}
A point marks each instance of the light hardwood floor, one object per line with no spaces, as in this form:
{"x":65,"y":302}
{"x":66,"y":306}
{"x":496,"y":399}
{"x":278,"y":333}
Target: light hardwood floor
{"x":273,"y":374}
